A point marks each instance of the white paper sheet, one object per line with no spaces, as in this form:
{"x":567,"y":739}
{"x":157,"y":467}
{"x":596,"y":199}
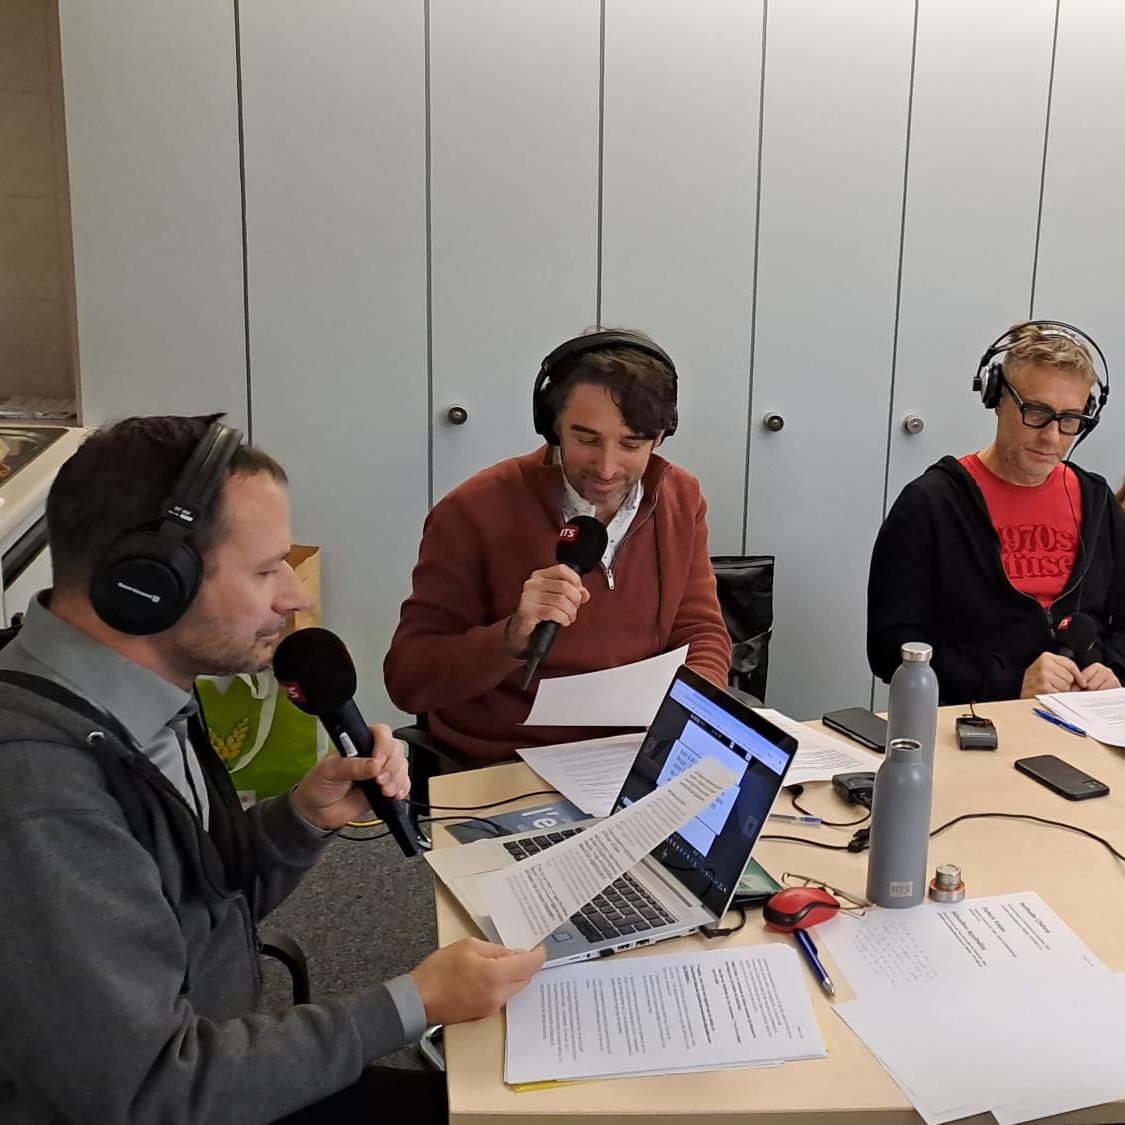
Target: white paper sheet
{"x":662,"y":1015}
{"x":819,"y":756}
{"x":1101,"y":714}
{"x":976,"y":938}
{"x":627,"y":696}
{"x":532,"y":898}
{"x":590,"y":773}
{"x":1020,"y":1013}
{"x":1011,"y":1047}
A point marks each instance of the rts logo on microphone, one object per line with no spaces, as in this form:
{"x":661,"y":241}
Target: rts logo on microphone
{"x":1064,"y":624}
{"x":568,"y":533}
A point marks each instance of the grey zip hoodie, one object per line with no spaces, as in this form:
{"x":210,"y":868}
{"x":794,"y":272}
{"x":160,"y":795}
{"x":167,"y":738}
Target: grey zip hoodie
{"x":128,"y":977}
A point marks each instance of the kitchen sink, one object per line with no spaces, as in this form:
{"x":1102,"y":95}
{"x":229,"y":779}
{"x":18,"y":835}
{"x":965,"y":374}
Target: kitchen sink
{"x":20,"y":445}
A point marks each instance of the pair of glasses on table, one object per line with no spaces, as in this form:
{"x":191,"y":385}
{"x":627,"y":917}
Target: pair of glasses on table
{"x":849,"y":903}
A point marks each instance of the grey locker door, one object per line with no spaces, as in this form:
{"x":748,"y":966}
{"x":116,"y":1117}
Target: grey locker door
{"x":334,"y":105}
{"x":682,"y":86}
{"x":833,"y":154}
{"x":152,"y":137}
{"x":514,"y":92}
{"x":978,"y":119}
{"x":1081,"y":267}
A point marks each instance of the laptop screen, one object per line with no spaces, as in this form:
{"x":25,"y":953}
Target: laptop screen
{"x":697,"y":718}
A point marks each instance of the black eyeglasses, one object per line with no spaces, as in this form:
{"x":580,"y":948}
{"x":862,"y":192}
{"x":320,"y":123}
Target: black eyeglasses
{"x":1039,"y":417}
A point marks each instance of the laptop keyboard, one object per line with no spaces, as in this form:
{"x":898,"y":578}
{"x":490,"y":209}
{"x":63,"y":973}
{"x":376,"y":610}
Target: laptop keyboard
{"x":623,"y":908}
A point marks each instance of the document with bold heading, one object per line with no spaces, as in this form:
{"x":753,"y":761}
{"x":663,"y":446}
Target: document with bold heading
{"x":626,"y":696}
{"x":532,"y":898}
{"x":590,"y":773}
{"x":706,"y":1010}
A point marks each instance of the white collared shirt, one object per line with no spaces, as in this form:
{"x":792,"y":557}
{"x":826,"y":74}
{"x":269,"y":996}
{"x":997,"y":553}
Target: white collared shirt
{"x":575,"y":505}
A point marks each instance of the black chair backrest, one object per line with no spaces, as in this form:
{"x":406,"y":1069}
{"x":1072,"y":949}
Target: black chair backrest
{"x":745,"y":586}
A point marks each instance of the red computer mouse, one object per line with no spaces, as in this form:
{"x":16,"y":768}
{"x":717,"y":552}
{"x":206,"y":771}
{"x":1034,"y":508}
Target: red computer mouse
{"x":797,"y":908}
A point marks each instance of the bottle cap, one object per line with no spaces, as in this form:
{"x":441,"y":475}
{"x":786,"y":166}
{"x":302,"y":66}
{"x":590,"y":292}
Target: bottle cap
{"x":908,"y":744}
{"x":917,"y":650}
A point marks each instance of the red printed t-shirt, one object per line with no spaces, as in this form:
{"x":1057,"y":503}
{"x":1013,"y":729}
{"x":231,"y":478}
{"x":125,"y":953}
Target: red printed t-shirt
{"x":1038,"y":527}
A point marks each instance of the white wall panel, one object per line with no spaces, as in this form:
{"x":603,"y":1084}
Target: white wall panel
{"x":1081,"y":272}
{"x":514,"y":128}
{"x":334,"y":97}
{"x":833,"y":154}
{"x":152,"y":137}
{"x":972,"y":203}
{"x":682,"y":87}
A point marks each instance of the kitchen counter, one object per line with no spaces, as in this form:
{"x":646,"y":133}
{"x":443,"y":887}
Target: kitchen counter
{"x":25,"y":493}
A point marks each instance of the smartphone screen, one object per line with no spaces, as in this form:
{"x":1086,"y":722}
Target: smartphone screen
{"x":864,"y":726}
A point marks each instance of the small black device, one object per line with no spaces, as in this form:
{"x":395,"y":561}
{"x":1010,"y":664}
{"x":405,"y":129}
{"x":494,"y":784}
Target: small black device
{"x":865,"y":727}
{"x":1062,"y":778}
{"x":855,"y":788}
{"x":147,"y":578}
{"x":974,"y":732}
{"x":543,"y":414}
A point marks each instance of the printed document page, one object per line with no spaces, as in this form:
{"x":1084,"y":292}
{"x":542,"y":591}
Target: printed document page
{"x":532,"y":898}
{"x":974,"y":939}
{"x":627,"y":696}
{"x":662,"y":1014}
{"x":1101,"y":714}
{"x":590,"y":773}
{"x":1021,"y":1049}
{"x":819,"y":755}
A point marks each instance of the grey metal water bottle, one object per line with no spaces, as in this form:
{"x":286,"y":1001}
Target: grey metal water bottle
{"x":913,"y":707}
{"x":900,"y":827}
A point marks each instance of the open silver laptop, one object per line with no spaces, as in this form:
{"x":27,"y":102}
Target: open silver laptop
{"x":689,"y":880}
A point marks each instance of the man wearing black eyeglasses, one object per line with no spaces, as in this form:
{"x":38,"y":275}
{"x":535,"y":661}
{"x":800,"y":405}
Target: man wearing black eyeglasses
{"x":985,"y":557}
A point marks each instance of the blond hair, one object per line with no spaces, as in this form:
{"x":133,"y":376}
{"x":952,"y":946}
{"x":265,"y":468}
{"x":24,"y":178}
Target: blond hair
{"x":1039,"y":344}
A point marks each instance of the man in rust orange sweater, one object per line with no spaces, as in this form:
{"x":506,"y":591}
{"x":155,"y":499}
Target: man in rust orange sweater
{"x":486,"y":574}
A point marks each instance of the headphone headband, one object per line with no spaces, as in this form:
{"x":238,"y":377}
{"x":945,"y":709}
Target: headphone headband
{"x":542,"y":413}
{"x":148,"y":577}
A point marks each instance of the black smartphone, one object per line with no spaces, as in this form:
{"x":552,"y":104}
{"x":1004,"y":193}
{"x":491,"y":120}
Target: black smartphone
{"x":1062,"y":778}
{"x":864,"y":726}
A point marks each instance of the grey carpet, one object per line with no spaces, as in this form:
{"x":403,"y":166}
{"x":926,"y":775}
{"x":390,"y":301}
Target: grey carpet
{"x":364,"y":913}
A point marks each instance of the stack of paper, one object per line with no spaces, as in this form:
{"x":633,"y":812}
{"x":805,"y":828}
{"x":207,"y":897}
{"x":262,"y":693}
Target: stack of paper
{"x":1101,"y":714}
{"x":662,"y":1015}
{"x":989,"y":1004}
{"x":591,"y":773}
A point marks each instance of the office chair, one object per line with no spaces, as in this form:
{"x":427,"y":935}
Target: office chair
{"x":745,"y":588}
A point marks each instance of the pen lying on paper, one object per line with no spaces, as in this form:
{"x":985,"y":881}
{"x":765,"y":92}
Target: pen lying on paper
{"x":820,"y":972}
{"x":792,"y":818}
{"x":1058,"y":722}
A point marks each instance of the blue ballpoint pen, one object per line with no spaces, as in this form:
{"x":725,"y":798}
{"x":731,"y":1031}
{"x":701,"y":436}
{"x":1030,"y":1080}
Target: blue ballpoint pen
{"x":1058,"y":722}
{"x":809,"y":950}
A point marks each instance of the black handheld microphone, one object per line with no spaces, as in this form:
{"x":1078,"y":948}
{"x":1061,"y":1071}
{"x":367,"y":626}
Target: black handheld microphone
{"x":317,"y":673}
{"x":581,"y":544}
{"x":1075,"y":638}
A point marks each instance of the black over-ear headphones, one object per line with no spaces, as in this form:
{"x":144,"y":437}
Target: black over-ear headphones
{"x":988,"y":382}
{"x":543,"y":413}
{"x":148,"y":577}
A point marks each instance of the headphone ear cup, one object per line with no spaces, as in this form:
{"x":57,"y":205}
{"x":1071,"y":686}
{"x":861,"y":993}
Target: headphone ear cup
{"x":145,"y":583}
{"x":992,"y":386}
{"x":542,"y":415}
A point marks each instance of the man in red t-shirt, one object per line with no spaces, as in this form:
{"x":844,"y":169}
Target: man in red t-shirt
{"x":984,"y":557}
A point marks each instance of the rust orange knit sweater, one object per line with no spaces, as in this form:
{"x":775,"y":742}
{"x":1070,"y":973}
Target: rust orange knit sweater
{"x":482,"y":542}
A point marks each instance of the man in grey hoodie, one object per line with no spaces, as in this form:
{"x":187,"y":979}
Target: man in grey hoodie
{"x":131,"y":883}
